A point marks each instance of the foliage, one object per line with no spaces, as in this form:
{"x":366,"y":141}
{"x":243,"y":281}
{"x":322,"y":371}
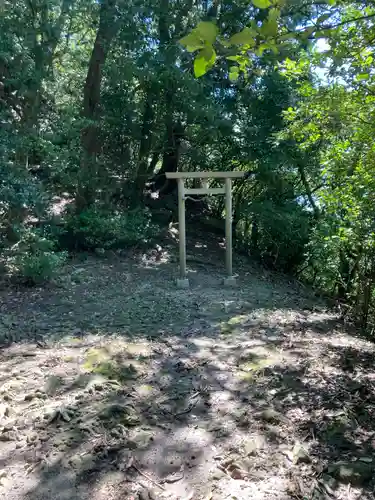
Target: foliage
{"x":272,"y":29}
{"x":34,"y":258}
{"x":277,"y":225}
{"x":96,"y":228}
{"x":98,"y":100}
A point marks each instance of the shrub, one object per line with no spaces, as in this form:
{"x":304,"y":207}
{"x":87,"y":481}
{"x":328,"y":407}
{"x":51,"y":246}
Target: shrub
{"x":97,"y":228}
{"x":283,"y":233}
{"x":34,"y":258}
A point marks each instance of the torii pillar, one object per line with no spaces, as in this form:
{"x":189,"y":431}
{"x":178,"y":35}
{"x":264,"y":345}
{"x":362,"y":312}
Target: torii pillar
{"x":183,"y":282}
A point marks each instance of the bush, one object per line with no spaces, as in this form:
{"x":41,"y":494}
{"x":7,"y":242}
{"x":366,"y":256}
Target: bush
{"x":97,"y":228}
{"x":283,"y":233}
{"x":34,"y":258}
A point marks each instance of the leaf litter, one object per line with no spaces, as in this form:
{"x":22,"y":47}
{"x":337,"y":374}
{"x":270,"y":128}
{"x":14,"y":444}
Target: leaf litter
{"x":133,"y":385}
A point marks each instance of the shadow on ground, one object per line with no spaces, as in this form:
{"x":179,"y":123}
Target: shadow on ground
{"x":137,"y":388}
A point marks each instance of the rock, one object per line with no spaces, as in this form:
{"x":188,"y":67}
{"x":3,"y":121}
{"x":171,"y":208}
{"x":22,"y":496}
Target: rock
{"x":3,"y":473}
{"x":300,"y":455}
{"x":356,"y":473}
{"x":29,"y":397}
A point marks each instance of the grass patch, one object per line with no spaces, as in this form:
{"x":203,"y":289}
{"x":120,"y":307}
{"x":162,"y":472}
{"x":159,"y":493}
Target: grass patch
{"x":232,"y":324}
{"x":99,"y":361}
{"x":114,"y":371}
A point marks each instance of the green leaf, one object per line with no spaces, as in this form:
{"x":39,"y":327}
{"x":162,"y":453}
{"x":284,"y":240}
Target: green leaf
{"x":274,"y":48}
{"x":323,"y":18}
{"x":246,"y":36}
{"x":234,"y":69}
{"x":233,"y":77}
{"x":200,"y":66}
{"x":192,"y":42}
{"x":307,"y":32}
{"x":204,"y":61}
{"x":362,"y":76}
{"x":265,"y":46}
{"x":204,"y":33}
{"x":209,"y":54}
{"x":261,"y":4}
{"x":262,"y":47}
{"x":320,"y":34}
{"x":207,"y":31}
{"x":287,"y":36}
{"x":233,"y":58}
{"x":224,"y":42}
{"x":269,"y":27}
{"x":274,"y":14}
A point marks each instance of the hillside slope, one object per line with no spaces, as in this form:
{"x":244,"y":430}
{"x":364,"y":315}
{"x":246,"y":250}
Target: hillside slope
{"x":119,"y":386}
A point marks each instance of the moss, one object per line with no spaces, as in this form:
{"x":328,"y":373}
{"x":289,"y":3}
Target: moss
{"x":115,"y":371}
{"x":232,"y":324}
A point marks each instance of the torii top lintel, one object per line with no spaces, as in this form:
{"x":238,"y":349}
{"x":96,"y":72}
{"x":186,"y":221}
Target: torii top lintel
{"x":205,"y":175}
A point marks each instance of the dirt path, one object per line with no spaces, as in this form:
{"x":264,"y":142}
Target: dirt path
{"x":120,"y":386}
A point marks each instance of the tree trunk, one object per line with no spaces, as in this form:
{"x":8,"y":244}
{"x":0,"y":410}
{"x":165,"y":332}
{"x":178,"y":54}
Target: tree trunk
{"x":174,"y":130}
{"x":254,"y":240}
{"x":44,"y":40}
{"x":87,"y":179}
{"x":309,"y":193}
{"x":144,"y":168}
{"x":349,"y":266}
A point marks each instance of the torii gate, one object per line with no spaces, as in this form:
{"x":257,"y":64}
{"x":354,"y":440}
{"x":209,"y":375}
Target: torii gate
{"x":183,"y":282}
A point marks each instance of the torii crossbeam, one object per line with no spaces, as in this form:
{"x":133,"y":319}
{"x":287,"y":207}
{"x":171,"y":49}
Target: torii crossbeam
{"x":183,"y":282}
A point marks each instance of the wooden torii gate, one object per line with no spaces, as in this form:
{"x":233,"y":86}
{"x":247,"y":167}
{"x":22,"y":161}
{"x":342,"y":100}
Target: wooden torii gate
{"x":183,"y":282}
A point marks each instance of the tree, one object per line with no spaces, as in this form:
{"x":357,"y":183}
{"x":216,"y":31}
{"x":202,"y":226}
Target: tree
{"x":109,"y":24}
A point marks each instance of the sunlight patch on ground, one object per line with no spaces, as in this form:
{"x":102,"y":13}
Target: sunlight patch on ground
{"x":118,"y":360}
{"x":259,"y":363}
{"x":190,"y":392}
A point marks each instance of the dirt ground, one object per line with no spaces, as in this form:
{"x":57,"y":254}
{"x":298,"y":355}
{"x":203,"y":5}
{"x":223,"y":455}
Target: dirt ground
{"x":116,"y":385}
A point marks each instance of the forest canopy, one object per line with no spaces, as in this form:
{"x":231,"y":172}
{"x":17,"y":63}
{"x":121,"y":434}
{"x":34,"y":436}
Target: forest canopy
{"x":99,"y":99}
